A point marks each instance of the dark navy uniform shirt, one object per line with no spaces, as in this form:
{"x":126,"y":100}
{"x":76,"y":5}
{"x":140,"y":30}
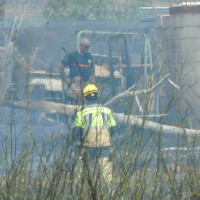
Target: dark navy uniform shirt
{"x":79,"y":65}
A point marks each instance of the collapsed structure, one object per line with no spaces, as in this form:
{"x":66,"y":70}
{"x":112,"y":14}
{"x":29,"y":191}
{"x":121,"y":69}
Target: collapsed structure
{"x":131,"y":54}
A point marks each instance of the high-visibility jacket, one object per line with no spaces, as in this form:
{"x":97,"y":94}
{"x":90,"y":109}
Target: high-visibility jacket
{"x":95,"y":121}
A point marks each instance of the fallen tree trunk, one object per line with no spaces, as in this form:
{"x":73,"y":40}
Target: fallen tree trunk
{"x":63,"y":109}
{"x":45,"y":106}
{"x":153,"y":126}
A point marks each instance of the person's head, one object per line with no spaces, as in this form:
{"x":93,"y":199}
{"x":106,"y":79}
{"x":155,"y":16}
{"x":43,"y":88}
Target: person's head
{"x":90,"y":92}
{"x":84,"y":46}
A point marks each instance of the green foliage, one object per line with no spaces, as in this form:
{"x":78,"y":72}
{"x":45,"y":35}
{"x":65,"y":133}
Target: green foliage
{"x":2,"y":8}
{"x":106,"y":10}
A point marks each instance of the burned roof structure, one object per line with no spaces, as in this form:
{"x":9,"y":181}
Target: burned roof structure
{"x":47,"y":43}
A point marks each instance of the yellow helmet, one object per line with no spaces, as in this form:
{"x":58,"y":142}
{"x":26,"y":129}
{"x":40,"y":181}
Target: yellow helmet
{"x":90,"y":89}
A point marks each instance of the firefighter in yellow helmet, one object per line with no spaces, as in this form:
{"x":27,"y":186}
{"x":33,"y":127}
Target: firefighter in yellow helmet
{"x":96,"y":125}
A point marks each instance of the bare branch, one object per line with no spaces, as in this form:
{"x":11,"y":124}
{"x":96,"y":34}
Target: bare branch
{"x":133,"y":93}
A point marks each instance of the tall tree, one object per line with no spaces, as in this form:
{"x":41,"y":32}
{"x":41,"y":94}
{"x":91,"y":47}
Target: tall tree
{"x":108,"y":10}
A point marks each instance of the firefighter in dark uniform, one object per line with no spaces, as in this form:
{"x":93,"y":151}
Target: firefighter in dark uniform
{"x":81,"y":70}
{"x":96,"y":128}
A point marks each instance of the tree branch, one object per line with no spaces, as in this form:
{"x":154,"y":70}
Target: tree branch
{"x":63,"y":109}
{"x":128,"y":93}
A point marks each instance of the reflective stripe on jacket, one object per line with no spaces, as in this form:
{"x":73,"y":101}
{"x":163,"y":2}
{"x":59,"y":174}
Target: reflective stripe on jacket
{"x":96,"y":121}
